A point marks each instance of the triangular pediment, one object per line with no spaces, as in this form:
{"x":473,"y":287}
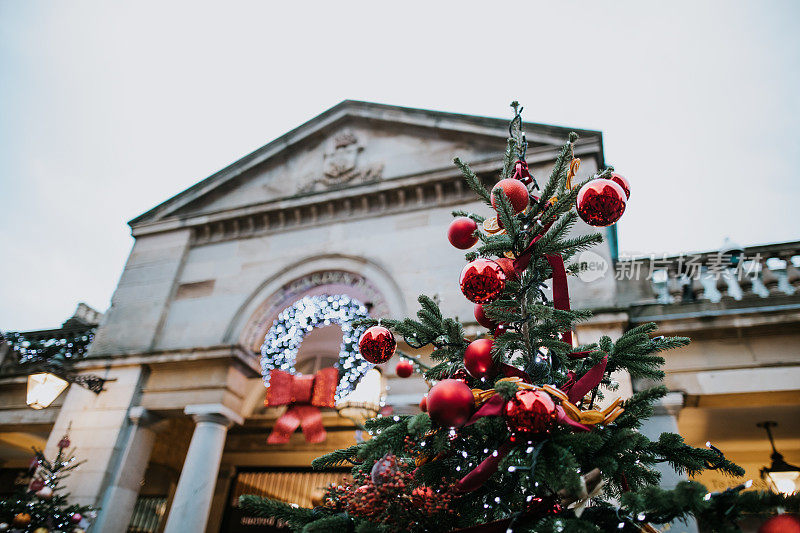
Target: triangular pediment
{"x":352,"y":145}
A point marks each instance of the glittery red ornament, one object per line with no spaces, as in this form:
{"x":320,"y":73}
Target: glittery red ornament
{"x":482,"y":281}
{"x":508,"y":267}
{"x":423,"y":404}
{"x":483,"y":320}
{"x":601,"y":202}
{"x":622,"y":182}
{"x":450,"y":403}
{"x":530,"y":414}
{"x":36,"y":485}
{"x":404,"y":368}
{"x":782,"y":523}
{"x":64,"y":442}
{"x":516,"y":192}
{"x":478,"y":358}
{"x":75,"y":518}
{"x":377,"y":345}
{"x":500,"y":329}
{"x":461,"y":233}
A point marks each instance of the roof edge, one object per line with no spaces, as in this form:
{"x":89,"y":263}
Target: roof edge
{"x":299,"y":133}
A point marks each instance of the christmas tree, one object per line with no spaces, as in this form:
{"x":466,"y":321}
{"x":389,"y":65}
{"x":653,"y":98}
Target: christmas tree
{"x":512,"y":436}
{"x":43,"y":507}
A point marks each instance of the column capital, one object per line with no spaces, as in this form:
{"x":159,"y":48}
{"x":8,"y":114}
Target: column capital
{"x":214,"y":412}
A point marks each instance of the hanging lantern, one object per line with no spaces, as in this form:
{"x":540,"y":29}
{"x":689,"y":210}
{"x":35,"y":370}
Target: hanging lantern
{"x":780,"y":476}
{"x":43,"y":388}
{"x":366,"y":400}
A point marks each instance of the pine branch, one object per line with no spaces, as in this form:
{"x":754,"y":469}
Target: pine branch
{"x":714,"y":511}
{"x":506,"y":214}
{"x":297,"y":517}
{"x":461,"y":213}
{"x":687,"y":459}
{"x":473,"y":181}
{"x":510,"y":157}
{"x":335,"y":458}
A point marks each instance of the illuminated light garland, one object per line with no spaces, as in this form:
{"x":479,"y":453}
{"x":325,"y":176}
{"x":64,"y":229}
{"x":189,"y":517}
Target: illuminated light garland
{"x":283,"y":340}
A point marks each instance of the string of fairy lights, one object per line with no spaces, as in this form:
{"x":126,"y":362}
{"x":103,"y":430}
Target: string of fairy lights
{"x":282,"y":341}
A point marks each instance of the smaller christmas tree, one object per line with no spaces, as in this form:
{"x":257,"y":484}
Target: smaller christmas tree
{"x":42,"y":506}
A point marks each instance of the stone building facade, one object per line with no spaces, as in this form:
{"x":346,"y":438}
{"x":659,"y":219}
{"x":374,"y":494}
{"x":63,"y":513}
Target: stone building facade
{"x":355,"y":202}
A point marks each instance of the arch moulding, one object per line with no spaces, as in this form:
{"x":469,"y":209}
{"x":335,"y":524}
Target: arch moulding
{"x":356,"y":277}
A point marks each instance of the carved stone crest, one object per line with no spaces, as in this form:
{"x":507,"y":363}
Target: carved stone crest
{"x":341,"y":165}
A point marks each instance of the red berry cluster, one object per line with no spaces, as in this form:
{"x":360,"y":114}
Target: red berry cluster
{"x":432,"y":503}
{"x":376,"y":501}
{"x":388,"y":499}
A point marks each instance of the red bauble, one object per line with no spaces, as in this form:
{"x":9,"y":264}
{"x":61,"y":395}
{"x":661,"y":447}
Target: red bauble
{"x":782,"y":523}
{"x":530,"y":414}
{"x":377,"y":345}
{"x":404,"y":368}
{"x":622,"y":182}
{"x":481,"y":317}
{"x":461,"y":233}
{"x":75,"y":518}
{"x":500,"y":329}
{"x":478,"y":358}
{"x":423,"y":404}
{"x":482,"y":281}
{"x":516,"y":192}
{"x":36,"y":485}
{"x":601,"y":202}
{"x":450,"y":403}
{"x":508,"y":267}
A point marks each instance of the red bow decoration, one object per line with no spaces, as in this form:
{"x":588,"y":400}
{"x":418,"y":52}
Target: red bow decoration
{"x":304,"y":395}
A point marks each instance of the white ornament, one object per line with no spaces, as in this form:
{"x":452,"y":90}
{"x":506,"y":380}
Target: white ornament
{"x":45,"y":493}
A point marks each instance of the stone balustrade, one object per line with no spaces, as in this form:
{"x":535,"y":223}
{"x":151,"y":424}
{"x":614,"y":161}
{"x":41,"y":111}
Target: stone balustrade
{"x":753,"y":272}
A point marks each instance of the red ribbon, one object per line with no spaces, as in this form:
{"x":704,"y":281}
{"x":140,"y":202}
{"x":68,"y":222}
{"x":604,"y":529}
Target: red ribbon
{"x":576,"y":390}
{"x":304,"y":395}
{"x":483,"y":471}
{"x":521,"y":171}
{"x":560,"y":287}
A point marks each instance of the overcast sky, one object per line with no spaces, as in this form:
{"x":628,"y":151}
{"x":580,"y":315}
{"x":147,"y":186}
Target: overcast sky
{"x":109,"y":108}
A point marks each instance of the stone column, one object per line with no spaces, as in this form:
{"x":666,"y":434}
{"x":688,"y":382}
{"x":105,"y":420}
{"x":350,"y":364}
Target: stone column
{"x":665,"y":419}
{"x":192,"y":501}
{"x":120,"y":497}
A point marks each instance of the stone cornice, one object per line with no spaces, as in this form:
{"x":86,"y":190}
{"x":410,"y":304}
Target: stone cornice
{"x":436,"y":188}
{"x":246,"y":359}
